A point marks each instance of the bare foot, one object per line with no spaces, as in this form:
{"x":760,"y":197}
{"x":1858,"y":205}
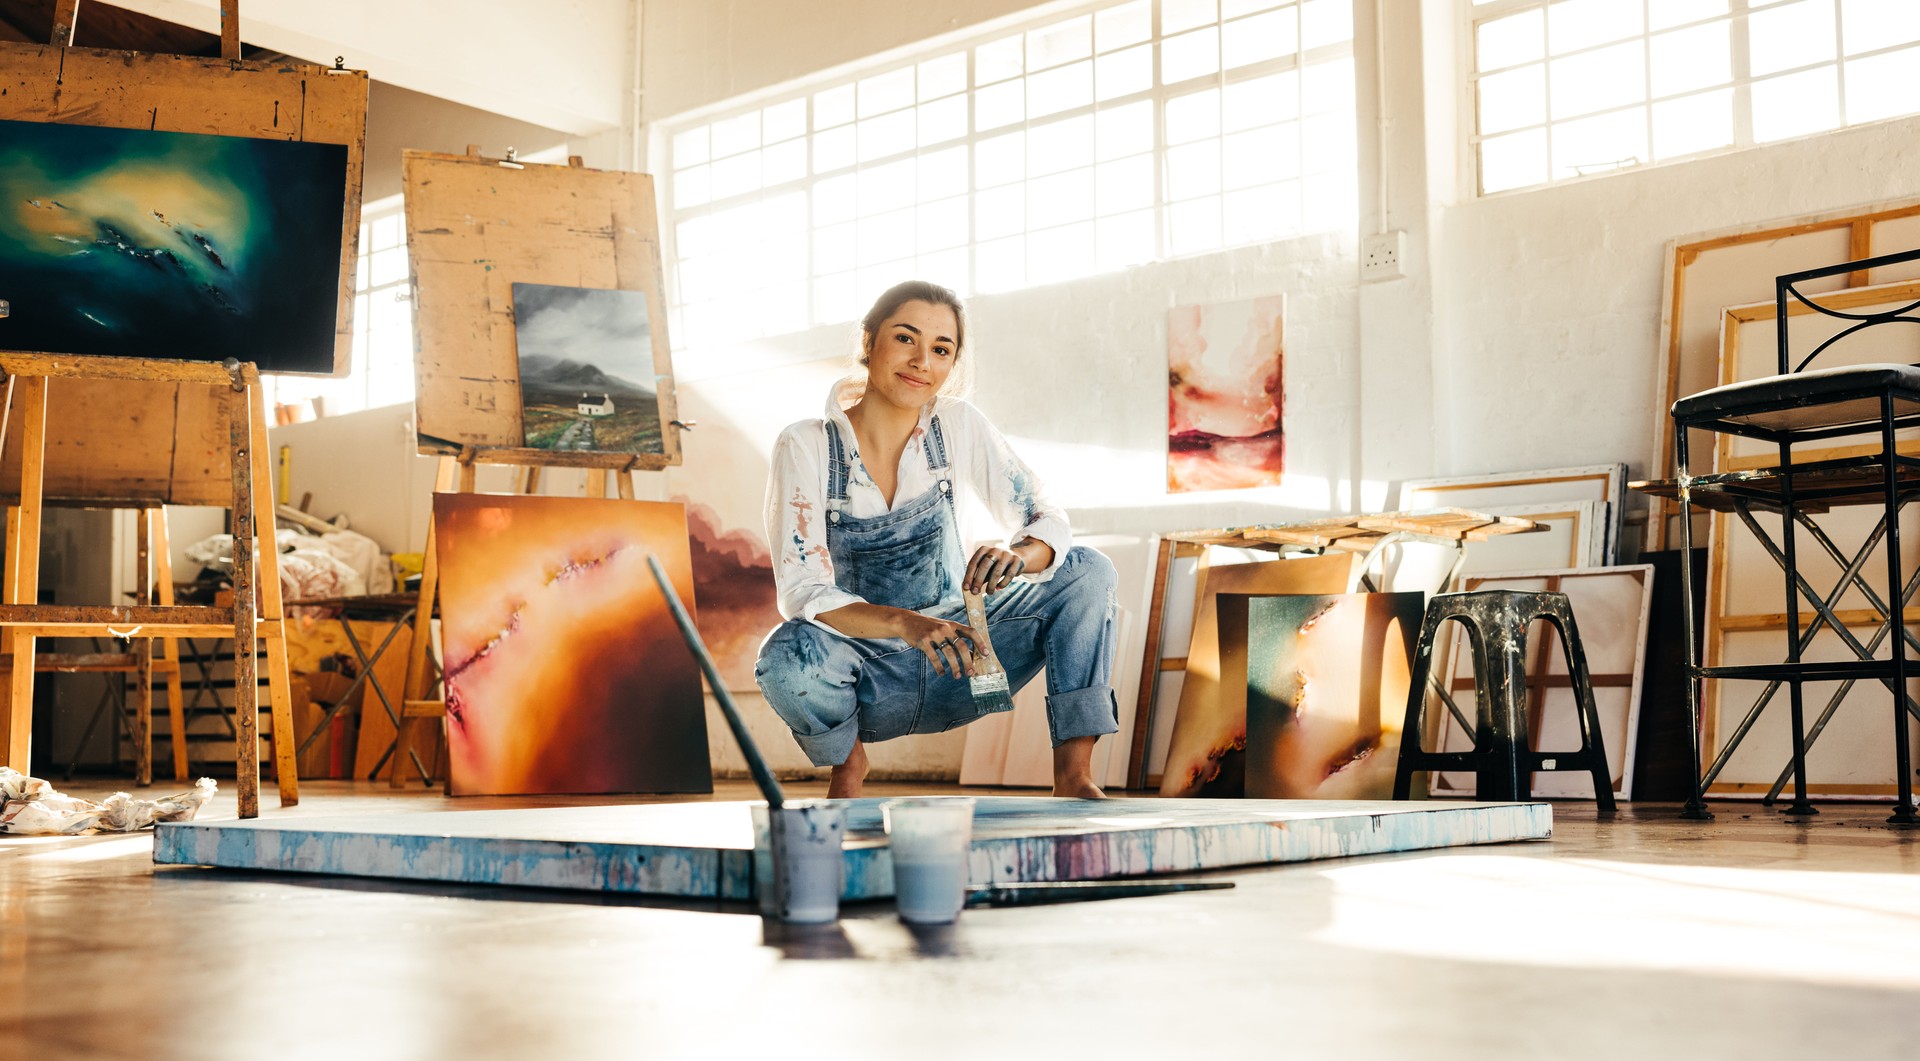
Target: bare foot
{"x":1073,"y":770}
{"x":849,"y":778}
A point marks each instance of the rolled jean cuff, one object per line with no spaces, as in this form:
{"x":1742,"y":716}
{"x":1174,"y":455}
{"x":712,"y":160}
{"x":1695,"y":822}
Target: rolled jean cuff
{"x":1082,"y":713}
{"x":832,"y":747}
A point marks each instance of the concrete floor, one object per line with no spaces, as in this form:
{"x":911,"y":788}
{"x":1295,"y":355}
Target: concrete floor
{"x":1639,"y":938}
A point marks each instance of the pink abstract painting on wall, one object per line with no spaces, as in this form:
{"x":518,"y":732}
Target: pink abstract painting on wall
{"x":1224,"y":396}
{"x":564,"y":670}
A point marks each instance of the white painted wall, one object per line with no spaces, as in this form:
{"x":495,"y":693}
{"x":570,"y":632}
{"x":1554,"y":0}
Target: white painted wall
{"x":563,"y":64}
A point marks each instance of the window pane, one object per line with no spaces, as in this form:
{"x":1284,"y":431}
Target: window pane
{"x":1060,"y":253}
{"x":1194,"y":226}
{"x":943,"y":120}
{"x":947,"y":268}
{"x":1693,"y":123}
{"x":1327,"y":86}
{"x":944,"y":224}
{"x":690,"y":148}
{"x":693,"y":237}
{"x":385,"y":232}
{"x":833,"y":149}
{"x":833,"y":248}
{"x":836,"y":298}
{"x":1060,"y":146}
{"x":1190,"y":55}
{"x":887,"y":187}
{"x":1193,"y":117}
{"x":833,"y":107}
{"x":1000,"y":265}
{"x":999,"y":160}
{"x":1513,"y":99}
{"x":1117,"y":27}
{"x":1871,"y":24}
{"x":1000,"y":60}
{"x":1327,"y":143}
{"x":1123,"y":73}
{"x":943,"y":76}
{"x":1124,"y":240}
{"x":1262,"y":37}
{"x":1883,"y":86}
{"x":1260,"y":156}
{"x":784,"y":121}
{"x":1260,"y":101}
{"x":1797,"y":104}
{"x":1324,"y":22}
{"x":387,"y":267}
{"x":1060,"y":198}
{"x":784,"y":162}
{"x":1236,"y":8}
{"x":888,"y":134}
{"x":1600,"y":143}
{"x":835,"y":199}
{"x":1513,"y":161}
{"x":1782,"y":38}
{"x":1663,"y":14}
{"x":943,"y":173}
{"x":1512,"y":40}
{"x":1123,"y":130}
{"x":1060,"y":43}
{"x":999,"y":211}
{"x":690,"y":187}
{"x":1176,"y":15}
{"x":999,"y":105}
{"x":1193,"y":170}
{"x":1124,"y":185}
{"x":1575,"y":24}
{"x":1597,"y":80}
{"x":885,"y":237}
{"x":1691,"y":58}
{"x":734,"y":135}
{"x":1265,"y":213}
{"x":1060,"y":89}
{"x":886,"y":92}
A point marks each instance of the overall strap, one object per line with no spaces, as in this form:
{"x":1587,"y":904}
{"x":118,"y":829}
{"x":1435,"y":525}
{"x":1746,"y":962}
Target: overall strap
{"x":838,"y":472}
{"x":936,"y":448}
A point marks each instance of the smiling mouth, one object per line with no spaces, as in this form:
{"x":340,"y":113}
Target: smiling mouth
{"x":911,"y":381}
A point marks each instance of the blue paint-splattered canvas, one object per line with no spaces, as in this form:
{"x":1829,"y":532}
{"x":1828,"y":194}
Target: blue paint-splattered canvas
{"x":176,"y":246}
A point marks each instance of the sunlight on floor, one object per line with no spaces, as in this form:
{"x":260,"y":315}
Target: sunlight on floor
{"x":1842,"y":928}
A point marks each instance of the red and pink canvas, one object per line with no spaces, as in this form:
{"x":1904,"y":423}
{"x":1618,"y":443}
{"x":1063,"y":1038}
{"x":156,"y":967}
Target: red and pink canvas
{"x":1224,"y":398}
{"x":565,"y":672}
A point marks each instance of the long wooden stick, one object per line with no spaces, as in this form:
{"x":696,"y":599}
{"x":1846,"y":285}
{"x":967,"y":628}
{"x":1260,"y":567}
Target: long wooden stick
{"x":169,"y":647}
{"x":286,"y":763}
{"x":246,"y":680}
{"x":24,"y":561}
{"x":143,"y":655}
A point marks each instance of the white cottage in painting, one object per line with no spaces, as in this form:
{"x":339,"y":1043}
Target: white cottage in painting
{"x":604,"y":407}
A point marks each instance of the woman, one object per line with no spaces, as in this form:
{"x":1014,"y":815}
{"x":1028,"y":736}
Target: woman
{"x":870,"y":564}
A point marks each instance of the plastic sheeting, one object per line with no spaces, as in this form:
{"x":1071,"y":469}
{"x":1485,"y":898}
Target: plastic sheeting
{"x":29,"y":806}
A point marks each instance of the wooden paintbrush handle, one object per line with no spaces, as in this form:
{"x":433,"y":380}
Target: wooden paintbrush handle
{"x":982,"y":644}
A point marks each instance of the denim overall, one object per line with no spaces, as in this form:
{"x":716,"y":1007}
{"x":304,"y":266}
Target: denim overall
{"x":832,"y":690}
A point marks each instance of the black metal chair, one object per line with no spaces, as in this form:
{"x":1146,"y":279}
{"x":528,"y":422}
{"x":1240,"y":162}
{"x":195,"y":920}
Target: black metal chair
{"x":1796,"y":406}
{"x":1503,"y":759}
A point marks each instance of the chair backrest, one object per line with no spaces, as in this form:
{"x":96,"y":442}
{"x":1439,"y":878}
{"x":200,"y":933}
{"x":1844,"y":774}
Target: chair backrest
{"x":1786,"y":284}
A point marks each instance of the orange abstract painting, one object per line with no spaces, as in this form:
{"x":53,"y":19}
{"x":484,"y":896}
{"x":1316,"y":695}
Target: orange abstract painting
{"x":1225,"y":396}
{"x":564,"y":670}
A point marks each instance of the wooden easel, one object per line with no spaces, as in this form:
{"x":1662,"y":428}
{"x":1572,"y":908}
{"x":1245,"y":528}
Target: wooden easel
{"x":456,"y":474}
{"x":256,"y":614}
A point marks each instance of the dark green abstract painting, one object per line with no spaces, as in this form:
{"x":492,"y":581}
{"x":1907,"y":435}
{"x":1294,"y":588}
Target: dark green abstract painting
{"x":177,"y":246}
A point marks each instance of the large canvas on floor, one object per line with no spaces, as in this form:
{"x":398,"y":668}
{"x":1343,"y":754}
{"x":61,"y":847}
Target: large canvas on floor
{"x":587,"y":382}
{"x":1327,"y":680}
{"x":175,"y":246}
{"x":1225,"y":395}
{"x":564,"y":670}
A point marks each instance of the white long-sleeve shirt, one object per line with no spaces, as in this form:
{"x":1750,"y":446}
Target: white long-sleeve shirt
{"x":978,"y":456}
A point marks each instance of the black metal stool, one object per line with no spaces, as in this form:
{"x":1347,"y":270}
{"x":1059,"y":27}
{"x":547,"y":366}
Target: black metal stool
{"x":1502,"y":758}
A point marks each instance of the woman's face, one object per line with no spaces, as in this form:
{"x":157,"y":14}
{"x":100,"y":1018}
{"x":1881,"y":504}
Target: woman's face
{"x":912,"y":353}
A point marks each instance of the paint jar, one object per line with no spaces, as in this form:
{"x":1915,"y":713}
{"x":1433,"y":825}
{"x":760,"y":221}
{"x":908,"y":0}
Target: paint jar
{"x":930,"y":837}
{"x":797,"y":867}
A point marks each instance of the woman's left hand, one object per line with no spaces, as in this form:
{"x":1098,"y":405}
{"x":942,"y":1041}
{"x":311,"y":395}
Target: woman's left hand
{"x":993,"y":569}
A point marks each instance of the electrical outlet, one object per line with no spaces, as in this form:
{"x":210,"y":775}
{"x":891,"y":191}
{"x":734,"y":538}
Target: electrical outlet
{"x":1381,"y":255}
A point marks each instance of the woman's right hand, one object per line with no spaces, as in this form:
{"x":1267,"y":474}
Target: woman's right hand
{"x":948,"y":646}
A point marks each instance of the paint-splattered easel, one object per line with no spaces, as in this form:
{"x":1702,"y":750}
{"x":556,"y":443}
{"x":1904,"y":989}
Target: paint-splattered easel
{"x":141,"y":433}
{"x":475,"y":227}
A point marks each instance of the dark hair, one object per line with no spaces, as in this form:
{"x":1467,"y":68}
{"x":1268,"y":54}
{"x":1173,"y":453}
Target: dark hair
{"x":899,"y":295}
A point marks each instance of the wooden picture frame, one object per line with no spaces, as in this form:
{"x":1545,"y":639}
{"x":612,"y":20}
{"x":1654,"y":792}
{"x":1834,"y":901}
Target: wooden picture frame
{"x":475,"y":227}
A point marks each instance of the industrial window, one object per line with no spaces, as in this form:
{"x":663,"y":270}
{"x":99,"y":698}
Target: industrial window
{"x":1087,"y":140}
{"x":1574,"y":87}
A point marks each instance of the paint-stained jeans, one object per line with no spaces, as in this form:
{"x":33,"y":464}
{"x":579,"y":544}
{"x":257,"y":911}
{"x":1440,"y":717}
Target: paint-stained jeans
{"x":833,"y":690}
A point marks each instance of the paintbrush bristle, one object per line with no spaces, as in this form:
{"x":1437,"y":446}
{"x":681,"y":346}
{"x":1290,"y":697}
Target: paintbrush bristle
{"x":989,"y":684}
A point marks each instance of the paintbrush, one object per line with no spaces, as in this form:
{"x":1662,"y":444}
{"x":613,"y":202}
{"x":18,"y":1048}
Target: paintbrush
{"x":769,"y":787}
{"x":989,"y":682}
{"x":1075,"y":891}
